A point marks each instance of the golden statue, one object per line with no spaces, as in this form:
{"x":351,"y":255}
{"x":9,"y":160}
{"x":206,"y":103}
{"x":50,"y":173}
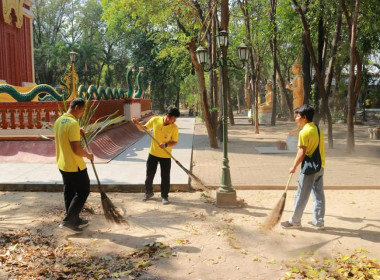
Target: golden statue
{"x":298,"y":91}
{"x":267,"y":106}
{"x":297,"y":86}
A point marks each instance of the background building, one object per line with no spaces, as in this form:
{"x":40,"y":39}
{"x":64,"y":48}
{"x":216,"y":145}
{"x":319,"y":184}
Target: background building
{"x":16,"y":42}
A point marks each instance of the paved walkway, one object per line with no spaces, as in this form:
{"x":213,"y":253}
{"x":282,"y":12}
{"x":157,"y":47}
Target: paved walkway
{"x":206,"y":242}
{"x":126,"y":170}
{"x":249,"y":169}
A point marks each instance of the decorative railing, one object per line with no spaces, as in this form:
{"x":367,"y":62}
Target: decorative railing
{"x":146,"y":105}
{"x":28,"y":115}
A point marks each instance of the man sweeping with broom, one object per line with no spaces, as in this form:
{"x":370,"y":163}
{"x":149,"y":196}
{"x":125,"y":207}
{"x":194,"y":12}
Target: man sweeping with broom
{"x":310,"y":146}
{"x":165,"y":133}
{"x":70,"y":153}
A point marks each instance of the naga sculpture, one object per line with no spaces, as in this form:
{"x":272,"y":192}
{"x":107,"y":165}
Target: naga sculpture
{"x":51,"y":93}
{"x":129,"y":83}
{"x":93,"y":93}
{"x":139,"y":92}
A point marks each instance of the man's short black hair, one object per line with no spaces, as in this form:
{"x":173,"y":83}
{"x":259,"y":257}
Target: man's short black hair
{"x":305,"y":110}
{"x":77,"y":101}
{"x":172,"y":111}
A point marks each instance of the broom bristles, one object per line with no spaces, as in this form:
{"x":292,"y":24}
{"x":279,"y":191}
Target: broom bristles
{"x":111,"y":213}
{"x":198,"y":182}
{"x":276,"y":214}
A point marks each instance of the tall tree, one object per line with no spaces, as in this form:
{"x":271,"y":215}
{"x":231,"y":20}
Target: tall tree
{"x":321,"y":87}
{"x":273,"y":4}
{"x":355,"y":78}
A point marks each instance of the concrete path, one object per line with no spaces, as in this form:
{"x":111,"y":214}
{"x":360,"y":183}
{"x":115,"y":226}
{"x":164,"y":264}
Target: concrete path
{"x":125,"y":170}
{"x":207,"y":242}
{"x":252,"y":170}
{"x":248,"y":167}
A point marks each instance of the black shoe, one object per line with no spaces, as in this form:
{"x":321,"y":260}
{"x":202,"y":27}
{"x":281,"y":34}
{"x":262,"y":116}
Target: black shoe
{"x":147,"y":196}
{"x":287,"y":225}
{"x":71,"y":227}
{"x":82,"y":223}
{"x":318,"y":227}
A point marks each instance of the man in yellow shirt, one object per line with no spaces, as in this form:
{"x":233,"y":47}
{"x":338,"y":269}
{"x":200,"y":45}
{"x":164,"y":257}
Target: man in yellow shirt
{"x":308,"y":142}
{"x":69,"y":155}
{"x":166,"y":132}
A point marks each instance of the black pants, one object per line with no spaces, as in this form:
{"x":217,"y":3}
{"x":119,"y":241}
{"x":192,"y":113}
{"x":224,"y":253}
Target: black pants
{"x":76,"y":190}
{"x":151,"y":168}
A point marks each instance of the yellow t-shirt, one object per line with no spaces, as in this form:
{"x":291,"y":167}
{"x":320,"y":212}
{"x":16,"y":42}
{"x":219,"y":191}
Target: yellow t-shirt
{"x":163,"y":134}
{"x":308,"y":137}
{"x":66,"y":130}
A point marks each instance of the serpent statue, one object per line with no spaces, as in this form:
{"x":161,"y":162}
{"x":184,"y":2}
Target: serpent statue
{"x":92,"y":93}
{"x":139,"y":91}
{"x":129,"y":83}
{"x":51,"y":93}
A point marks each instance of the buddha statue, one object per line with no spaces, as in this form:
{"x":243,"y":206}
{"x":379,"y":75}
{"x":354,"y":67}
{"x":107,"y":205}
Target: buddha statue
{"x":298,"y":91}
{"x":267,"y":106}
{"x":297,"y":86}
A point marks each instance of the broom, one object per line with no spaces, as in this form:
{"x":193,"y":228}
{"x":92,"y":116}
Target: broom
{"x":277,"y":211}
{"x":197,"y":181}
{"x":111,"y":213}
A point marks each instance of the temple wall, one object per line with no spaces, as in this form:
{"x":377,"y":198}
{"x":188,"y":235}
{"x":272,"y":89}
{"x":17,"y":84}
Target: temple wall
{"x":16,"y":48}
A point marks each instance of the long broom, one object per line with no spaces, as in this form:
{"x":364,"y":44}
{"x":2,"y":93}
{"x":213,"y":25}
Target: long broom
{"x":111,"y":213}
{"x":275,"y":216}
{"x":197,"y":181}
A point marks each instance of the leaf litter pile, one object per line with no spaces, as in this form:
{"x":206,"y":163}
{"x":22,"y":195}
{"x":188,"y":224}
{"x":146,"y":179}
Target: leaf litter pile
{"x":24,"y":255}
{"x":342,"y":267}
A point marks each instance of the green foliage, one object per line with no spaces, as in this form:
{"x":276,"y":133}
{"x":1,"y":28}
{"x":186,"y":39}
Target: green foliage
{"x":190,"y":93}
{"x":110,"y":35}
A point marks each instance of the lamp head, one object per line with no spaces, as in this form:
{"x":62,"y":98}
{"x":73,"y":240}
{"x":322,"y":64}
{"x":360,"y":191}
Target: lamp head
{"x":222,"y":39}
{"x":243,"y":52}
{"x":73,"y":56}
{"x":202,"y":55}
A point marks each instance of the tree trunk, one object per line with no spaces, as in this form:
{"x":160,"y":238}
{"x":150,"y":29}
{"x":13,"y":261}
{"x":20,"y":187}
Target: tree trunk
{"x":251,"y":64}
{"x":282,"y":87}
{"x":353,"y":87}
{"x":306,"y":71}
{"x":213,"y":77}
{"x":318,"y":112}
{"x":204,"y":98}
{"x":273,"y":4}
{"x":318,"y":74}
{"x":333,"y":51}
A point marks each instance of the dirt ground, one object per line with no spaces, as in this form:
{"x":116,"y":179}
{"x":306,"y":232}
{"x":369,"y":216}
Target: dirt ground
{"x":205,"y":242}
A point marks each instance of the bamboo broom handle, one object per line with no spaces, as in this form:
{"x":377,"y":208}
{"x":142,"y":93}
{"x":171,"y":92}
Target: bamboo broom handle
{"x":155,"y":140}
{"x":287,"y":184}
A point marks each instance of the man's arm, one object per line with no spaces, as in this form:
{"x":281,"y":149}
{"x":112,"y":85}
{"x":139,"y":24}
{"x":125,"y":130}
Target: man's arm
{"x":299,"y":158}
{"x":136,"y":122}
{"x":168,"y":144}
{"x":78,"y":150}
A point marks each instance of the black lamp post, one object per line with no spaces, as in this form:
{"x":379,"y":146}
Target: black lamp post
{"x":226,"y":195}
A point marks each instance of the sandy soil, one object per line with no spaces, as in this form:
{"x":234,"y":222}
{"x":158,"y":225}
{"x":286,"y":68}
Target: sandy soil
{"x":206,"y":242}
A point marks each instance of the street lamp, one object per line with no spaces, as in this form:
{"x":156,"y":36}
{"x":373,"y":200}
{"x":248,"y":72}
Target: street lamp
{"x":73,"y":56}
{"x":74,"y":76}
{"x":225,"y":195}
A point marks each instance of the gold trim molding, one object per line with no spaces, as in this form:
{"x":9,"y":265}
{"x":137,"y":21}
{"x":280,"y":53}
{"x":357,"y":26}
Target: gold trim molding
{"x":17,"y":5}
